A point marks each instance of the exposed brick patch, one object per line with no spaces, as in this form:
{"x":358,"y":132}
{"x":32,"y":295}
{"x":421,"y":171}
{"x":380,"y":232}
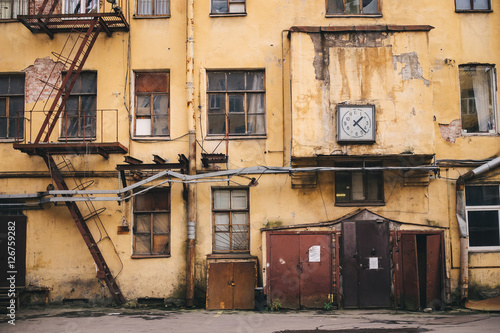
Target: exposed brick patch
{"x":43,"y":70}
{"x":450,"y":132}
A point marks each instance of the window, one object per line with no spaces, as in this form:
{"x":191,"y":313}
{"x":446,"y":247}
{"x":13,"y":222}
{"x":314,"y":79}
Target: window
{"x":153,"y":7}
{"x":79,"y":118}
{"x":483,"y":211}
{"x":472,"y":5}
{"x":11,"y":106}
{"x":236,"y":104}
{"x":81,"y":6}
{"x":359,"y":187}
{"x":152,"y":104}
{"x":152,"y":223}
{"x":477,"y":98}
{"x":356,"y":7}
{"x":230,"y":220}
{"x":9,"y":9}
{"x":228,"y":7}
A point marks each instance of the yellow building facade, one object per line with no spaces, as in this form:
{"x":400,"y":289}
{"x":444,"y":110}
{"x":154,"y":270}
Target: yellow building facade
{"x":315,"y":152}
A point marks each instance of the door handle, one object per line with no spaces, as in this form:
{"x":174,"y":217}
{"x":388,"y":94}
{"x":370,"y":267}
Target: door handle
{"x":231,"y":283}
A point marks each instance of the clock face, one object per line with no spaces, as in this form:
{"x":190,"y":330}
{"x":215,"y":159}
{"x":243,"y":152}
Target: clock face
{"x":356,"y":123}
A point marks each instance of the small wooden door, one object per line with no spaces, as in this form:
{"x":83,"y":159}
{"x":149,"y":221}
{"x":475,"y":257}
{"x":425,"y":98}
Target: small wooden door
{"x":300,"y":269}
{"x":366,"y":273}
{"x":231,"y":285}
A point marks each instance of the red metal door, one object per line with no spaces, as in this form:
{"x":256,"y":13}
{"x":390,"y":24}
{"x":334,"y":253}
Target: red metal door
{"x":300,"y":269}
{"x":283,"y":272}
{"x":244,"y":285}
{"x":315,"y":270}
{"x":433,"y":271}
{"x":411,"y":293}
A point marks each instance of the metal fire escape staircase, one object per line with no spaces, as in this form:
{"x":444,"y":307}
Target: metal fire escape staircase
{"x":87,"y":27}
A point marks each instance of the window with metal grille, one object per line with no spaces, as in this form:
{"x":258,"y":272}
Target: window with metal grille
{"x":477,"y":96}
{"x":472,"y":5}
{"x":359,"y":187}
{"x":152,"y":104}
{"x":11,"y":106}
{"x":228,"y":7}
{"x":230,"y":215}
{"x":9,"y":9}
{"x":352,"y":7}
{"x":151,"y":230}
{"x":153,"y":7}
{"x":483,"y":211}
{"x":236,"y":103}
{"x":79,"y":116}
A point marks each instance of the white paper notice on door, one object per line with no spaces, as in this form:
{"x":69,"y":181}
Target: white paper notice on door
{"x":373,"y":262}
{"x":315,"y":253}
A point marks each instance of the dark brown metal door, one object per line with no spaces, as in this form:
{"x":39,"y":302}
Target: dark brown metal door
{"x":411,"y":293}
{"x":300,"y":269}
{"x":13,"y":250}
{"x":366,"y":264}
{"x":244,"y":285}
{"x":433,"y":271}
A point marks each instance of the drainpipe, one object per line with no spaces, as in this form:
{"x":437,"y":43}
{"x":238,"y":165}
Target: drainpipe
{"x":191,"y":188}
{"x":462,"y":222}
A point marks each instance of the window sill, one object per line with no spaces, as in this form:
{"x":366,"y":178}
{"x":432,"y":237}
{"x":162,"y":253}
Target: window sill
{"x":150,"y":256}
{"x":150,"y":16}
{"x":230,"y":256}
{"x":359,"y":203}
{"x":7,"y":140}
{"x":353,"y":15}
{"x":62,"y":140}
{"x":151,"y":138}
{"x":472,"y":11}
{"x":494,"y":133}
{"x":227,"y":14}
{"x":484,"y":249}
{"x":8,"y":20}
{"x":236,"y":137}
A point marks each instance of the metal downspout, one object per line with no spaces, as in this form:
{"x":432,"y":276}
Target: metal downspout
{"x":191,"y":188}
{"x":462,"y":222}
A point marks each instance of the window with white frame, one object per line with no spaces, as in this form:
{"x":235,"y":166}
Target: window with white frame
{"x":472,"y":5}
{"x":153,"y":7}
{"x":352,"y":7}
{"x":81,"y":6}
{"x":477,"y":98}
{"x":230,"y":215}
{"x":483,"y":216}
{"x":228,"y":7}
{"x":9,"y":9}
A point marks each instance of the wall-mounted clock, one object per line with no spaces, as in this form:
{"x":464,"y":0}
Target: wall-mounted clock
{"x":356,"y":123}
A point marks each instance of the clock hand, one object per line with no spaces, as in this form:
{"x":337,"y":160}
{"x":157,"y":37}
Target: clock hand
{"x":356,"y":123}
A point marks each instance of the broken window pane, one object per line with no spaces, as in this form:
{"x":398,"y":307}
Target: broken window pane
{"x":161,"y":244}
{"x":478,"y":108}
{"x":152,"y":104}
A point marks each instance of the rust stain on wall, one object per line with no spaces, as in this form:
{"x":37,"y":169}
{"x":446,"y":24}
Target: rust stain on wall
{"x":43,"y":70}
{"x":450,"y":132}
{"x":412,"y":69}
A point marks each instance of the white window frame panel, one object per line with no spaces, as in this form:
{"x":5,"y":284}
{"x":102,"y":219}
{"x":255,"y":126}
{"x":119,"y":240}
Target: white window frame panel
{"x":9,"y":9}
{"x":67,"y":3}
{"x":482,"y":209}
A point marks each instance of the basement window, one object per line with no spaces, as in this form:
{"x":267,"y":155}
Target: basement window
{"x":11,"y":106}
{"x":352,"y":7}
{"x":483,"y":211}
{"x":151,"y":230}
{"x":231,"y":223}
{"x":152,"y":104}
{"x":359,"y":188}
{"x":236,"y":103}
{"x":231,"y":7}
{"x":153,"y":8}
{"x":9,"y":9}
{"x":477,"y":99}
{"x":472,"y":5}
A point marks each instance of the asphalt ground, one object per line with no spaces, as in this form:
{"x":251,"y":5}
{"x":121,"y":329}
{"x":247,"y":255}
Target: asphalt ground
{"x":75,"y":320}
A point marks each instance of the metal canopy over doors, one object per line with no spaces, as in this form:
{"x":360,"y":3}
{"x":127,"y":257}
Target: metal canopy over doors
{"x":300,"y":268}
{"x":366,"y":277}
